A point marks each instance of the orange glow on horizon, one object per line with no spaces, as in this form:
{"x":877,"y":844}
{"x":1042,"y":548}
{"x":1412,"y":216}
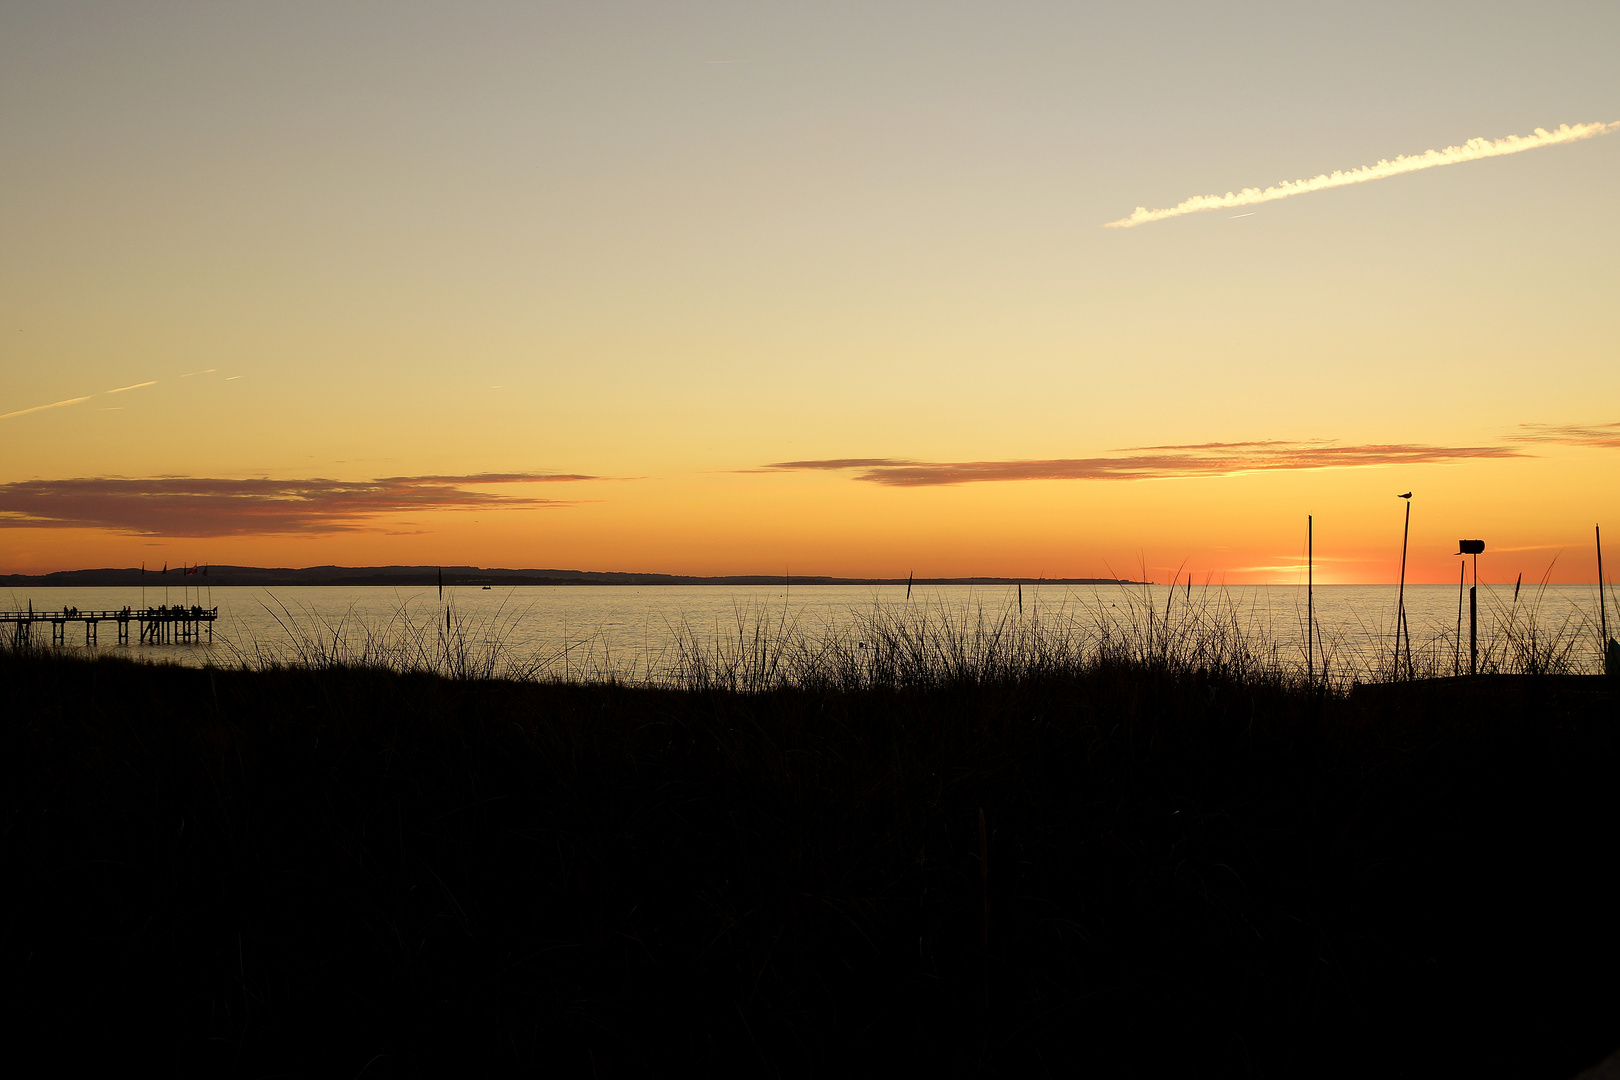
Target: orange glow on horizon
{"x":1232,"y":529}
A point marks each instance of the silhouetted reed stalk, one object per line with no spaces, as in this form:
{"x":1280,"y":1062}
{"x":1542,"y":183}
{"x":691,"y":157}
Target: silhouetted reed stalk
{"x":1515,"y":638}
{"x":926,"y":644}
{"x":452,"y":644}
{"x":932,"y":645}
{"x":929,"y":645}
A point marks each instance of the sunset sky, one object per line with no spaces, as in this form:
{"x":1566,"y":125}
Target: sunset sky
{"x":820,"y":289}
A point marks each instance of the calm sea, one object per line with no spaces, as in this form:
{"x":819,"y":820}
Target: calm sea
{"x":630,"y":630}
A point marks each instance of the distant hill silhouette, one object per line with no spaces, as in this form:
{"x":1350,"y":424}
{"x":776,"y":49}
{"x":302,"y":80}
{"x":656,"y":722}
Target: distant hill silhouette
{"x":472,"y":575}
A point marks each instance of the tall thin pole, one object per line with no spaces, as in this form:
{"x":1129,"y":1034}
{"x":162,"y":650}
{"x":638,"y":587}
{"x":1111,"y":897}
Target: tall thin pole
{"x":1473,"y":622}
{"x":1603,"y":611}
{"x":446,"y":630}
{"x":1456,"y":653}
{"x":1406,"y":629}
{"x":1400,"y":603}
{"x":1310,"y":597}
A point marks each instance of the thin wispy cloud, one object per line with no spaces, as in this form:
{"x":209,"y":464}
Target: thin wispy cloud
{"x":1298,"y":566}
{"x":1472,"y":150}
{"x":203,"y":506}
{"x":1600,"y":435}
{"x":114,"y":390}
{"x":1152,"y":463}
{"x":1229,"y":447}
{"x":492,"y":478}
{"x":42,"y":408}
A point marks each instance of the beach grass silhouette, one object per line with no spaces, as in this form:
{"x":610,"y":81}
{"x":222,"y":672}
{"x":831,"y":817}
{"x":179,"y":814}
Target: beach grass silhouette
{"x":931,"y":643}
{"x":948,"y":838}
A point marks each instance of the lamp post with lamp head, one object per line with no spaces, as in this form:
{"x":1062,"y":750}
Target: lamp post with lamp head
{"x":1473,"y":547}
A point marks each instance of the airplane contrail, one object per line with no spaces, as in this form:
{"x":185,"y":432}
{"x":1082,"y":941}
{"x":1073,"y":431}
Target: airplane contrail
{"x":133,"y":386}
{"x":1472,"y":150}
{"x":40,"y":408}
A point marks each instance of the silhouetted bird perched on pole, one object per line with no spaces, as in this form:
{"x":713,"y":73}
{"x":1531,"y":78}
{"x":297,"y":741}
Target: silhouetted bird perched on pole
{"x":1408,"y":495}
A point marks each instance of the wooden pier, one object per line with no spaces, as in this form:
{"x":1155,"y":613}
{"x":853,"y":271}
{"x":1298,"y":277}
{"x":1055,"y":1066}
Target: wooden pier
{"x":164,"y":625}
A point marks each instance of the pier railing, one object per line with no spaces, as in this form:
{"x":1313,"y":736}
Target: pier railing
{"x":162,"y":625}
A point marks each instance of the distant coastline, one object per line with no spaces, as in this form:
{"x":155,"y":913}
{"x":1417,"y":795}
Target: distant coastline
{"x":472,"y":575}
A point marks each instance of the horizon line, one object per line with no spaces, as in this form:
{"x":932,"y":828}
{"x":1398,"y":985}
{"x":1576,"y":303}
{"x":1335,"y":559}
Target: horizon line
{"x":341,"y":576}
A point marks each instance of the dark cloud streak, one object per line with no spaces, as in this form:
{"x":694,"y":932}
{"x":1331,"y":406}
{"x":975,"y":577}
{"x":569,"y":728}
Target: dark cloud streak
{"x":1153,"y":463}
{"x":1606,"y":436}
{"x":202,"y":506}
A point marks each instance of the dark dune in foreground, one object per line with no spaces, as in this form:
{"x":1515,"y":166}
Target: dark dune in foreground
{"x":335,"y":872}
